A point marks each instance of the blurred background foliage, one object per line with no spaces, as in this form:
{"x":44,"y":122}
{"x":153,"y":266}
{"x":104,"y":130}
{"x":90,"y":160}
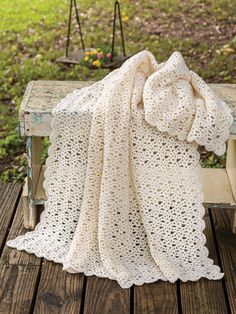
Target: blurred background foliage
{"x":33,"y":35}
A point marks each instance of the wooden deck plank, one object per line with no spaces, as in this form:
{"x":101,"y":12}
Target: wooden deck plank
{"x":106,"y":296}
{"x":2,"y":188}
{"x":158,"y":297}
{"x":8,"y":202}
{"x":227,"y":250}
{"x":13,"y":256}
{"x":22,"y":276}
{"x":204,"y":296}
{"x":17,"y":288}
{"x":59,"y":291}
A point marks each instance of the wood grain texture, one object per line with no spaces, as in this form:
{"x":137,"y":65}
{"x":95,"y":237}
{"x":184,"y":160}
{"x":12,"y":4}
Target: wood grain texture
{"x":233,"y":222}
{"x":231,"y":171}
{"x":105,"y":296}
{"x":204,"y":296}
{"x":59,"y":291}
{"x":17,"y":288}
{"x":3,"y":187}
{"x":39,"y":99}
{"x":33,"y":145}
{"x":216,"y":191}
{"x":13,"y":256}
{"x":227,"y":249}
{"x":231,"y":165}
{"x":26,"y":286}
{"x":42,"y":96}
{"x":158,"y":297}
{"x":40,"y":191}
{"x":216,"y":187}
{"x":8,"y":202}
{"x":226,"y":92}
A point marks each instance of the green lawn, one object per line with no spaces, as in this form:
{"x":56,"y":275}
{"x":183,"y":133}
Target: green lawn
{"x":33,"y":34}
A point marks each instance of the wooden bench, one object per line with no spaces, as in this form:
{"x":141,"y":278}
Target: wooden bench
{"x":219,"y":185}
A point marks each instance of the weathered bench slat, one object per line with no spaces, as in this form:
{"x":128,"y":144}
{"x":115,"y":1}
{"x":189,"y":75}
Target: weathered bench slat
{"x":42,"y":96}
{"x":215,"y":191}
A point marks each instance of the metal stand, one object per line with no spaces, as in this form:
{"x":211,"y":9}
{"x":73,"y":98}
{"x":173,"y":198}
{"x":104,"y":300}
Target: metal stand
{"x":69,"y":27}
{"x":117,"y":8}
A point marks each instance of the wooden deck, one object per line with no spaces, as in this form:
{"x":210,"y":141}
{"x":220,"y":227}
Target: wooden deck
{"x":32,"y":285}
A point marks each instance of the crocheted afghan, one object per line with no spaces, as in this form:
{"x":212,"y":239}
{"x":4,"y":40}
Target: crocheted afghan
{"x":124,"y":196}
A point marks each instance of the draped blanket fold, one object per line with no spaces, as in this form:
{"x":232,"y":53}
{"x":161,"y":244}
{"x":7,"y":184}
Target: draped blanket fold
{"x":124,"y":196}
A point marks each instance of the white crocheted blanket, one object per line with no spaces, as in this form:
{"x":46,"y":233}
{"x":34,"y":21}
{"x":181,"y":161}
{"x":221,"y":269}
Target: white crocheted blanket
{"x":124,"y":198}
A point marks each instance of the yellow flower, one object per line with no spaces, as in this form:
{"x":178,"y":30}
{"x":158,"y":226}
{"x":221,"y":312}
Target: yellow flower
{"x":227,"y":50}
{"x":94,"y":52}
{"x":86,"y":58}
{"x":125,"y":18}
{"x":97,"y":63}
{"x":87,"y":53}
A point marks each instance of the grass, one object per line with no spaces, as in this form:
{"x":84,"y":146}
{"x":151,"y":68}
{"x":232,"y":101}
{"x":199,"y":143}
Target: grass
{"x":33,"y":35}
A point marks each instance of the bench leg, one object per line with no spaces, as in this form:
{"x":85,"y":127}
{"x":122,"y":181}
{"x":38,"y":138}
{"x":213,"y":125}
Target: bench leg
{"x":234,"y":221}
{"x":33,"y":146}
{"x":231,"y":171}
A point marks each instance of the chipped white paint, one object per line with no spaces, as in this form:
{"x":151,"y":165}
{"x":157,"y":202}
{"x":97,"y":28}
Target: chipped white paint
{"x":42,"y":96}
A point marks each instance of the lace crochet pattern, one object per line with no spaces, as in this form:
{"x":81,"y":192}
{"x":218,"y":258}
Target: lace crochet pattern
{"x":124,"y":196}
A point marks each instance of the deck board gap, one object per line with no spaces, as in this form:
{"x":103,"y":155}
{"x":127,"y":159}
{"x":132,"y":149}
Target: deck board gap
{"x":219,"y":259}
{"x":81,"y":311}
{"x":36,"y":288}
{"x":178,"y":292}
{"x":132,"y":300}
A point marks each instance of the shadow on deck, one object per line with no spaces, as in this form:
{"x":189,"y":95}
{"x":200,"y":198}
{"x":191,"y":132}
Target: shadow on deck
{"x":34,"y":285}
